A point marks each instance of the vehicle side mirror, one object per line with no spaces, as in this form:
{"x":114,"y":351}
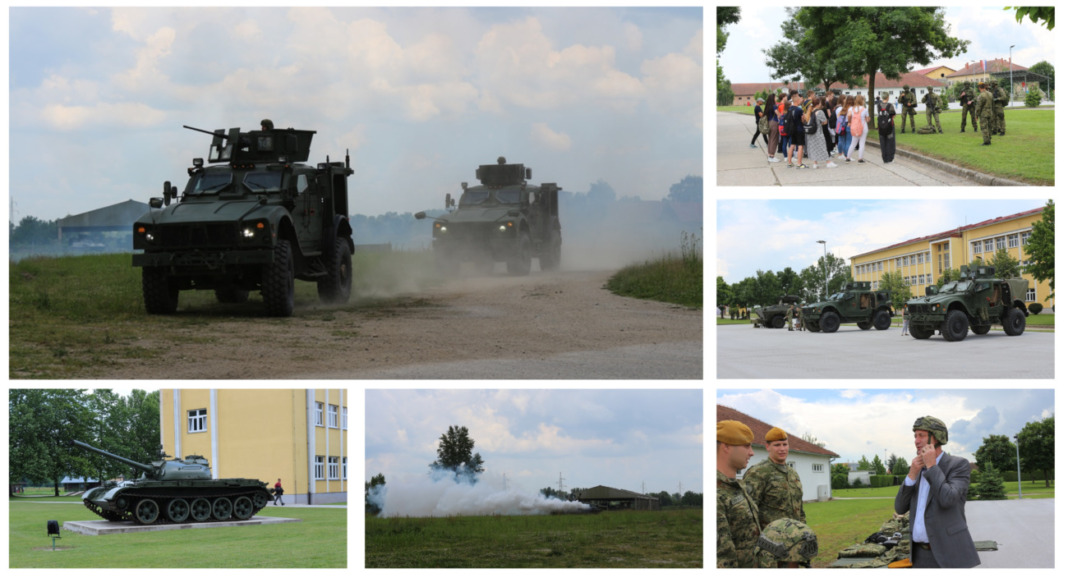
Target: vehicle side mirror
{"x":155,"y":203}
{"x":420,"y":215}
{"x":167,"y":193}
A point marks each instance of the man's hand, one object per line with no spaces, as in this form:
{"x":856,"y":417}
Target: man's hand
{"x":914,"y":469}
{"x":929,"y":456}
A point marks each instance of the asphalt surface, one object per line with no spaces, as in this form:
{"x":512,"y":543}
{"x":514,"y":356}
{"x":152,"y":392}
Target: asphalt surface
{"x":743,"y":352}
{"x":739,"y":165}
{"x":1023,"y":529}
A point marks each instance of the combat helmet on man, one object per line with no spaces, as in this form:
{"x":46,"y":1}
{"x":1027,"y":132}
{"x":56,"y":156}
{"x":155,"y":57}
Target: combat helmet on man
{"x":934,"y":426}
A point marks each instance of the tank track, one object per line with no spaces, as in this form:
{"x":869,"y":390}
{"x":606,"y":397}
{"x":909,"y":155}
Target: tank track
{"x":161,"y":499}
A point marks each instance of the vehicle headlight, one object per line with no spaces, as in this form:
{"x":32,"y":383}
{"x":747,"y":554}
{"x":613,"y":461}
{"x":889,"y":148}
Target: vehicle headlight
{"x":255,"y":231}
{"x":440,"y":228}
{"x":143,"y":235}
{"x":505,"y":227}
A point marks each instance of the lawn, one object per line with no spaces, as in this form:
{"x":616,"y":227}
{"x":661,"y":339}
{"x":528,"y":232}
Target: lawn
{"x":318,"y":541}
{"x":621,"y":539}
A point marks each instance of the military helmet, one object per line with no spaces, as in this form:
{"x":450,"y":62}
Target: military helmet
{"x":267,"y":124}
{"x":934,"y":426}
{"x":906,"y":87}
{"x":788,"y":540}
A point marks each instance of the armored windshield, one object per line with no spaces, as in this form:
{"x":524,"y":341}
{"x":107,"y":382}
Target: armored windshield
{"x":264,"y":182}
{"x":508,"y":197}
{"x":209,"y":182}
{"x":474,"y":197}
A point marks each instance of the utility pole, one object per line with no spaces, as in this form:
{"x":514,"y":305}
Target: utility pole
{"x":561,"y":486}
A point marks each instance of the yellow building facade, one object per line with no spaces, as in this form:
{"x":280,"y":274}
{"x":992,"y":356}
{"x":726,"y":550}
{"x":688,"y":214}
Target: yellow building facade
{"x":298,"y":435}
{"x":921,"y":261}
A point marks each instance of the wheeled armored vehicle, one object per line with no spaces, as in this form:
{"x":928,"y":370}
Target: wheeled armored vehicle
{"x":775,"y":316}
{"x":978,"y":300}
{"x":856,"y":304}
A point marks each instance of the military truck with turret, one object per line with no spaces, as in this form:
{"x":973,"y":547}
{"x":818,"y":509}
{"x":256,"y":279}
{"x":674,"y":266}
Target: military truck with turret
{"x":775,"y":316}
{"x":254,"y":218}
{"x":857,"y":303}
{"x":978,"y":300}
{"x":502,"y":219}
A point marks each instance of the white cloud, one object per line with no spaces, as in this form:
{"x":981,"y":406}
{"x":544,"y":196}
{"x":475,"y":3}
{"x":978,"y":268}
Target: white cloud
{"x":546,"y":137}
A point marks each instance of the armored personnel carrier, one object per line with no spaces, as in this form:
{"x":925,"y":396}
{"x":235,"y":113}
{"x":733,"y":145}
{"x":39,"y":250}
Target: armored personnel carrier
{"x":174,"y":491}
{"x":253,"y":219}
{"x":775,"y":316}
{"x":977,"y":300}
{"x":856,"y":304}
{"x":502,"y":219}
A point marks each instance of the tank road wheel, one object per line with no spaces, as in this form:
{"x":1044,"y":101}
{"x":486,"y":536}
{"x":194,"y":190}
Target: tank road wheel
{"x":177,"y":510}
{"x":259,"y":500}
{"x":919,"y":332}
{"x":777,"y":322}
{"x":278,"y":281}
{"x":146,"y":511}
{"x":1014,"y":322}
{"x":829,"y":322}
{"x":336,"y":287}
{"x":955,"y":327}
{"x":243,"y":508}
{"x":161,"y":298}
{"x":882,"y":321}
{"x":812,"y":326}
{"x":980,"y":329}
{"x":231,"y":294}
{"x":519,"y":264}
{"x":864,"y":325}
{"x":200,"y":509}
{"x":221,"y":508}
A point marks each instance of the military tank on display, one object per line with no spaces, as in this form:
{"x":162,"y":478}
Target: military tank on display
{"x":775,"y":316}
{"x":174,"y":491}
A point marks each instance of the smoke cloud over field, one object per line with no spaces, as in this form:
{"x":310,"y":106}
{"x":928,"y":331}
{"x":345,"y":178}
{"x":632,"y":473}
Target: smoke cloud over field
{"x":446,"y":497}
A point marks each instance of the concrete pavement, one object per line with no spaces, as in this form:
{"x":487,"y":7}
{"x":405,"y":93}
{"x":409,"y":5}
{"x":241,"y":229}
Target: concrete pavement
{"x":739,"y":165}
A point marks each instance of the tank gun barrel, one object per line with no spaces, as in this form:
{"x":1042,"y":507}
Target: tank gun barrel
{"x":106,"y":454}
{"x":212,"y":133}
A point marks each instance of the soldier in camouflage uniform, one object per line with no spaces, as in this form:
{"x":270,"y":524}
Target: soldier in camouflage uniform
{"x":934,"y":106}
{"x":1001,"y":98}
{"x":787,"y":543}
{"x":908,"y":108}
{"x":967,"y":105}
{"x":737,"y":525}
{"x":984,"y":108}
{"x":774,"y":485}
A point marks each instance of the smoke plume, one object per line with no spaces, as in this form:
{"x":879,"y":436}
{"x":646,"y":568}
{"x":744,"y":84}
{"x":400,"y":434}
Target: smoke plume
{"x":445,"y":496}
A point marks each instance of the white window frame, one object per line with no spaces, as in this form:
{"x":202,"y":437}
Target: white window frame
{"x":331,"y":416}
{"x":1030,"y":295}
{"x":999,"y":243}
{"x":333,"y":465}
{"x":817,"y":468}
{"x":988,"y":245}
{"x":344,"y":467}
{"x":320,"y":470}
{"x":977,"y":247}
{"x":319,"y":413}
{"x":344,"y":418}
{"x":1014,"y":241}
{"x":1024,"y":237}
{"x":197,"y":417}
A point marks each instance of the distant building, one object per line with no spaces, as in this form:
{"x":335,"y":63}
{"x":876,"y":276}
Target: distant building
{"x":983,"y":70}
{"x":297,"y":435}
{"x":922,"y":260}
{"x":614,"y":499}
{"x":812,"y":463}
{"x":938,"y":73}
{"x":107,"y":228}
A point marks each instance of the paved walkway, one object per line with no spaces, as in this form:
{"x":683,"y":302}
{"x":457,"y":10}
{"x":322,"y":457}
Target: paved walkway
{"x":739,"y":165}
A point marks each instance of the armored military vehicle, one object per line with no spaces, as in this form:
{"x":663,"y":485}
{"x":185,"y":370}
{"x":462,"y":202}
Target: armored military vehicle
{"x":977,"y":300}
{"x":255,"y":218}
{"x":174,"y":491}
{"x":856,"y":304}
{"x":775,"y":316}
{"x":503,"y":219}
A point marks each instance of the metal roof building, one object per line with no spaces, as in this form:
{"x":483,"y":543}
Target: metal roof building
{"x":614,"y":499}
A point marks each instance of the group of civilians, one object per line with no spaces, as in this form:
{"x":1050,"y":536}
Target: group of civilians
{"x":821,"y":128}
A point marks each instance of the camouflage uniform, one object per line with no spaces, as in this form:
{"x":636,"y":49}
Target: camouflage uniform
{"x":737,"y":528}
{"x":933,"y":105}
{"x":1001,"y":98}
{"x":984,"y":109}
{"x":908,"y":108}
{"x":776,"y":488}
{"x":967,"y":105}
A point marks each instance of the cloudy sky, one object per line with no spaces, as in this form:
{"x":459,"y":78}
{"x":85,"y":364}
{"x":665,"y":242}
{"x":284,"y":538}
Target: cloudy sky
{"x":419,"y":96}
{"x":991,"y":30}
{"x":774,"y":234}
{"x":617,"y":438}
{"x":869,"y":422}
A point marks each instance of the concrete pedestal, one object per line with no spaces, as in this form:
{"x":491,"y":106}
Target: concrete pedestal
{"x":102,"y":527}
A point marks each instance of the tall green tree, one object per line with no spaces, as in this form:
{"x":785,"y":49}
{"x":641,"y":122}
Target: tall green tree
{"x":815,"y":287}
{"x":724,"y":292}
{"x":799,"y":56}
{"x":690,"y":189}
{"x":1040,"y":248}
{"x":454,"y":454}
{"x":43,"y":423}
{"x":1045,"y":69}
{"x":877,"y":466}
{"x":369,"y":506}
{"x":1037,"y":447}
{"x":863,"y":465}
{"x":997,"y":450}
{"x":724,"y":15}
{"x":1005,"y":265}
{"x":990,"y":484}
{"x":893,"y":282}
{"x":1035,"y":13}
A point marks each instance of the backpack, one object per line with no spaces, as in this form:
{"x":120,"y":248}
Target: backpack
{"x":841,"y":123}
{"x":782,"y":120}
{"x":762,"y":124}
{"x":789,"y":123}
{"x":811,"y":125}
{"x":886,"y":121}
{"x":856,"y":124}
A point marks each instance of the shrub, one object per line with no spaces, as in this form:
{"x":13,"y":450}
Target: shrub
{"x":857,"y":483}
{"x":1035,"y":308}
{"x":1033,"y":98}
{"x":839,"y":481}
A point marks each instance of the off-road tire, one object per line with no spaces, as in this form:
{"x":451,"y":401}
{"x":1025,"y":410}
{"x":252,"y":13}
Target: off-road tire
{"x":920,"y":333}
{"x":955,"y":326}
{"x":1014,"y":322}
{"x":881,"y":321}
{"x":231,"y":294}
{"x":161,"y":297}
{"x":336,"y":287}
{"x":278,"y":282}
{"x":980,"y":329}
{"x":829,"y":322}
{"x":865,"y":325}
{"x":777,"y":322}
{"x":519,"y":263}
{"x":812,"y":326}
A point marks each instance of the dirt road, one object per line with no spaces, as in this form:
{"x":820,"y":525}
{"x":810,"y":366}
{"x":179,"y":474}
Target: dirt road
{"x":547,"y":325}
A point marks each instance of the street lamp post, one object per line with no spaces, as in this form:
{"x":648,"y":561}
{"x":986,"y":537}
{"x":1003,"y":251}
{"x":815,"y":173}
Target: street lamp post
{"x":1019,"y":484}
{"x":825,"y":281}
{"x":1011,"y":87}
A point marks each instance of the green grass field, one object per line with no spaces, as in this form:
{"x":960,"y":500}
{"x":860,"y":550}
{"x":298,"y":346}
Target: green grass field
{"x":673,"y":278}
{"x":69,"y":315}
{"x":318,"y":541}
{"x":623,"y":539}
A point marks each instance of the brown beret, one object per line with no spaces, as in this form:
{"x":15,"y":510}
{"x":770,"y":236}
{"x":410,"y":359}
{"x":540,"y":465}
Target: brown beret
{"x":774,"y":435}
{"x":733,"y":433}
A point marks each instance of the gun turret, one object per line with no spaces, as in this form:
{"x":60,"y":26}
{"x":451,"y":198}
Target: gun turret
{"x":192,"y":468}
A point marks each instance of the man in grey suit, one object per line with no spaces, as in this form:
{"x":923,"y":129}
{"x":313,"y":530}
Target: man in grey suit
{"x":934,"y":494}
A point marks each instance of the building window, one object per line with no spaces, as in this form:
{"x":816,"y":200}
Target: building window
{"x":929,"y":281}
{"x":344,"y":468}
{"x":198,"y":420}
{"x":1014,"y":241}
{"x":331,"y":415}
{"x":319,"y":414}
{"x":817,"y":468}
{"x":344,"y":418}
{"x":319,"y":468}
{"x":912,"y":260}
{"x":988,"y":246}
{"x":333,"y":467}
{"x":977,"y":247}
{"x":999,"y":243}
{"x":1030,"y":295}
{"x":1024,"y":237}
{"x":880,"y":265}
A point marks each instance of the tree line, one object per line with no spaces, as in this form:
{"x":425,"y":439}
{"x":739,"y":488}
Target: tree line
{"x":45,"y":422}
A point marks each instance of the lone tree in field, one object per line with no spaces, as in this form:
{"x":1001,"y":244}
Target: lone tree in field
{"x":454,"y":454}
